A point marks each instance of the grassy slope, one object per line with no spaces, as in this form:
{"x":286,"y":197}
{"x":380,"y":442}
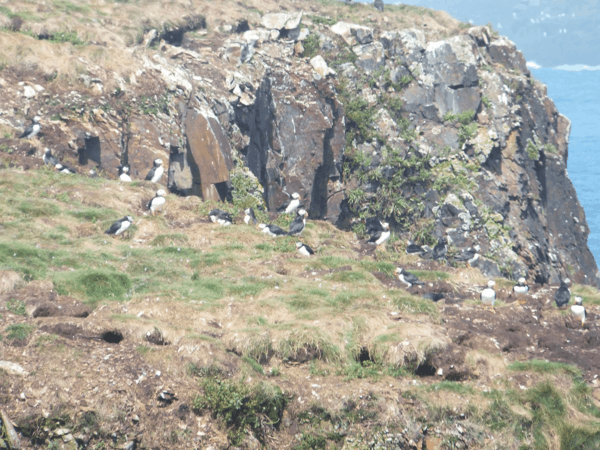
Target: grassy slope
{"x":235,"y":290}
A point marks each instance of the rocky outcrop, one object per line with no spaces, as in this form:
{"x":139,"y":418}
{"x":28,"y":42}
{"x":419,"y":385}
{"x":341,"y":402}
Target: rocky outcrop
{"x":441,"y":137}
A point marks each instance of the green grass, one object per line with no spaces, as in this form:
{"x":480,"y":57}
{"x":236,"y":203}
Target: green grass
{"x":241,"y":406}
{"x":18,"y":332}
{"x":95,"y":214}
{"x":414,"y":305}
{"x":545,"y":367}
{"x":94,"y":284}
{"x":431,"y":275}
{"x":16,"y":307}
{"x":38,"y":208}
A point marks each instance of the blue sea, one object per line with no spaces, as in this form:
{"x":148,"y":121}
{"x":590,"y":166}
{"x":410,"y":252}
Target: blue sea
{"x":576,"y":93}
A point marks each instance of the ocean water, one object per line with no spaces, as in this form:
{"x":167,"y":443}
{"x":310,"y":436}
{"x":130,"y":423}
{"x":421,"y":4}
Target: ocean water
{"x":576,"y":92}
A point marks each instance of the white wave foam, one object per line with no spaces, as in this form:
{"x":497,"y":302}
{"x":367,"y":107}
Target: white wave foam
{"x":576,"y":67}
{"x":533,"y":65}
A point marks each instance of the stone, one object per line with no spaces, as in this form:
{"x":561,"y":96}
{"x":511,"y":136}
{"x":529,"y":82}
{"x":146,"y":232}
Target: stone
{"x":351,"y":33}
{"x":11,"y":436}
{"x":298,"y":34}
{"x":13,"y":368}
{"x":320,"y":66}
{"x":29,"y":92}
{"x":208,"y":157}
{"x":378,"y":4}
{"x":505,"y":52}
{"x":370,"y":56}
{"x":281,"y":21}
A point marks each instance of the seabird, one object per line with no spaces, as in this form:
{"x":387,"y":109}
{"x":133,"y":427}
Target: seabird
{"x":488,"y":295}
{"x":563,"y":294}
{"x":32,"y":129}
{"x":157,"y":202}
{"x":521,"y":288}
{"x":298,"y":224}
{"x":304,"y":249}
{"x":413,"y":249}
{"x":220,"y":217}
{"x":249,"y":217}
{"x":120,"y":226}
{"x":62,"y":168}
{"x":156,"y":172}
{"x":124,"y":174}
{"x":49,"y":158}
{"x":292,"y":205}
{"x":578,"y":310}
{"x":379,"y":232}
{"x":440,"y":250}
{"x":272,"y":230}
{"x":465,"y":255}
{"x":407,"y":278}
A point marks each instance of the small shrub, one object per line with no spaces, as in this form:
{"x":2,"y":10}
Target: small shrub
{"x":18,"y":333}
{"x":239,"y":406}
{"x":16,"y":307}
{"x":311,"y":45}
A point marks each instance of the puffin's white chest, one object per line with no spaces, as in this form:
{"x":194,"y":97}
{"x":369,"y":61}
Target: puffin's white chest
{"x":157,"y":203}
{"x":488,"y":296}
{"x":521,"y":290}
{"x":385,"y":235}
{"x":124,"y":225}
{"x":158,"y":173}
{"x":292,"y":206}
{"x":125,"y":177}
{"x":578,"y":312}
{"x":303,"y":251}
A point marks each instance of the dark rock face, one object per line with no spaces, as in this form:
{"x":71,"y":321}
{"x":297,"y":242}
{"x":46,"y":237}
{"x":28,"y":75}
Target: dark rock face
{"x":296,"y":142}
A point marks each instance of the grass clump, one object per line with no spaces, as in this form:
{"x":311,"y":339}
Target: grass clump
{"x":16,"y":307}
{"x":414,"y":305}
{"x":95,"y":284}
{"x":38,"y":208}
{"x":240,"y":406}
{"x":547,"y":367}
{"x":18,"y":333}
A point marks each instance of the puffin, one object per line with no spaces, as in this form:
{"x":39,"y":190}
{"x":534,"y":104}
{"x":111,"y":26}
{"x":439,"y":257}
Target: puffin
{"x":379,"y":232}
{"x":292,"y":205}
{"x":563,"y":294}
{"x":124,"y":174}
{"x":157,"y":202}
{"x":407,"y":278}
{"x":304,"y":249}
{"x":120,"y":226}
{"x":465,"y":255}
{"x":220,"y":217}
{"x":272,"y":230}
{"x":441,"y":249}
{"x":488,"y":295}
{"x":49,"y":158}
{"x":32,"y":129}
{"x":521,"y":287}
{"x":413,"y":249}
{"x":298,"y":224}
{"x":578,"y":310}
{"x":156,"y":172}
{"x":249,"y":216}
{"x":62,"y":168}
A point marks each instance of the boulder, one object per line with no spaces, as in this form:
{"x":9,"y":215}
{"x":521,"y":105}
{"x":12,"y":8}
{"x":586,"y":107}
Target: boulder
{"x":281,"y":21}
{"x":296,"y":143}
{"x":370,"y":56}
{"x":320,"y":66}
{"x":352,"y":33}
{"x":207,"y":163}
{"x":504,"y":51}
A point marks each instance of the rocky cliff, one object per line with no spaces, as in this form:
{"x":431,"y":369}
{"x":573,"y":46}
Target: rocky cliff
{"x":405,"y":114}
